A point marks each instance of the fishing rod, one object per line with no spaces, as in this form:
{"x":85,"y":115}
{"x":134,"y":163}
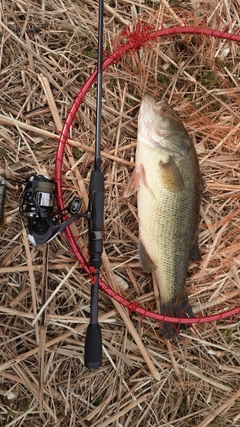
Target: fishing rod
{"x":93,"y":343}
{"x":37,"y":204}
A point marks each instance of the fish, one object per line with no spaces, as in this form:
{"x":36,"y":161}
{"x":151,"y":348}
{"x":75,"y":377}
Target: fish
{"x":167,"y":179}
{"x":2,"y":202}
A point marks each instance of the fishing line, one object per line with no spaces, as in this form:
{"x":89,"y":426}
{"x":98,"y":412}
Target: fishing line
{"x":141,"y":34}
{"x":2,"y":201}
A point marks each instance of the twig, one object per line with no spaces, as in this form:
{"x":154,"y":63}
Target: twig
{"x":224,"y":405}
{"x":32,"y":284}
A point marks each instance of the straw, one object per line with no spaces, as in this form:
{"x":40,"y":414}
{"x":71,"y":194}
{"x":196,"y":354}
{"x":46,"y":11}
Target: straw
{"x":47,"y":53}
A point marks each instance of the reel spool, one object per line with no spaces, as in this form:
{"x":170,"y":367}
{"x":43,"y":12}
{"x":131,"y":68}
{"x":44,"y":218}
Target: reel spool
{"x":37,"y":205}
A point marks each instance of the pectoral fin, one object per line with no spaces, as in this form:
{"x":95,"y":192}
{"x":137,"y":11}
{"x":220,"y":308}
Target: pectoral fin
{"x":171,"y":176}
{"x":133,"y":184}
{"x":146,"y":262}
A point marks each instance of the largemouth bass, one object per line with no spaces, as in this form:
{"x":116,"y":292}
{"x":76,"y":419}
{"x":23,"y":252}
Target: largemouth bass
{"x":167,"y":178}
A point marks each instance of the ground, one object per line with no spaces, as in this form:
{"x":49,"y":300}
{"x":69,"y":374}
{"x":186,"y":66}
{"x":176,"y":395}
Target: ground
{"x":48,"y":50}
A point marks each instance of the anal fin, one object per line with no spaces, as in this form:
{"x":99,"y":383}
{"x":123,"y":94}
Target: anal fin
{"x":195,"y":252}
{"x":146,"y":262}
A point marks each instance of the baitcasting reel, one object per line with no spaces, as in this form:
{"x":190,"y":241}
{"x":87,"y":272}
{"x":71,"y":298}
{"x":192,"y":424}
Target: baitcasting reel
{"x":37,"y":204}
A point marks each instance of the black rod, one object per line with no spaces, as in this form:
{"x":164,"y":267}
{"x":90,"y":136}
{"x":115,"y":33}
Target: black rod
{"x":99,"y":86}
{"x":94,"y":300}
{"x":93,"y":343}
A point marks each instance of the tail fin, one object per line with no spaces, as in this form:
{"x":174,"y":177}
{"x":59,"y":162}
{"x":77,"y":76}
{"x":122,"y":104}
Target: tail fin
{"x":179,"y":309}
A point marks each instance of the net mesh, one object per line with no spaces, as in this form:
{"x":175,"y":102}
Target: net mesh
{"x":158,"y":59}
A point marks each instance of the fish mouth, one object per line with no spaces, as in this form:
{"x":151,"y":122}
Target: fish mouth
{"x":146,"y":133}
{"x":157,"y":137}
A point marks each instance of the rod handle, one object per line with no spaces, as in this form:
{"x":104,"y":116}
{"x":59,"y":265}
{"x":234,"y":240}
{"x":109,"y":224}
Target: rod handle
{"x":96,"y":209}
{"x":93,"y":347}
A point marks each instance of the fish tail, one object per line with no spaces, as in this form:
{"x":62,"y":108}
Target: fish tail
{"x":179,"y":309}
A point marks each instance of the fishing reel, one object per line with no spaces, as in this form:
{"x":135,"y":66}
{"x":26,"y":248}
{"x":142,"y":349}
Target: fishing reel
{"x":37,"y":205}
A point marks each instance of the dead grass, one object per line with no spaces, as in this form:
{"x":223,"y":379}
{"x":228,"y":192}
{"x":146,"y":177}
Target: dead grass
{"x":47,"y":51}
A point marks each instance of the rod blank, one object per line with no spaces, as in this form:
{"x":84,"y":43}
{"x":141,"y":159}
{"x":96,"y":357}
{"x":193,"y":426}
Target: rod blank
{"x":93,"y":343}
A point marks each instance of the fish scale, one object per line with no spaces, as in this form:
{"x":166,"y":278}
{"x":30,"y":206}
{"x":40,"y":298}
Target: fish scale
{"x":165,"y":230}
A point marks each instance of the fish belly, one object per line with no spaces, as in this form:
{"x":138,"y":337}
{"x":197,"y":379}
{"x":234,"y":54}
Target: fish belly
{"x":167,"y":219}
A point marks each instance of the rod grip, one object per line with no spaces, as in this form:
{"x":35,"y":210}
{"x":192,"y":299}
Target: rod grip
{"x":96,"y":209}
{"x":93,"y":347}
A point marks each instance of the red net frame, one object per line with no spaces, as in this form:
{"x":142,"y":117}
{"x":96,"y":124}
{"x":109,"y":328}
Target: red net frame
{"x":135,"y":39}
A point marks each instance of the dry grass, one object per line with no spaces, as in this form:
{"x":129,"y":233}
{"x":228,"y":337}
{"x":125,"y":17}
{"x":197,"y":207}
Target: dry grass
{"x":47,"y":51}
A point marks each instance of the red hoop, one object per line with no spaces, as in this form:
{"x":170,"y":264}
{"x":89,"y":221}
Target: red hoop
{"x":134,"y":43}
